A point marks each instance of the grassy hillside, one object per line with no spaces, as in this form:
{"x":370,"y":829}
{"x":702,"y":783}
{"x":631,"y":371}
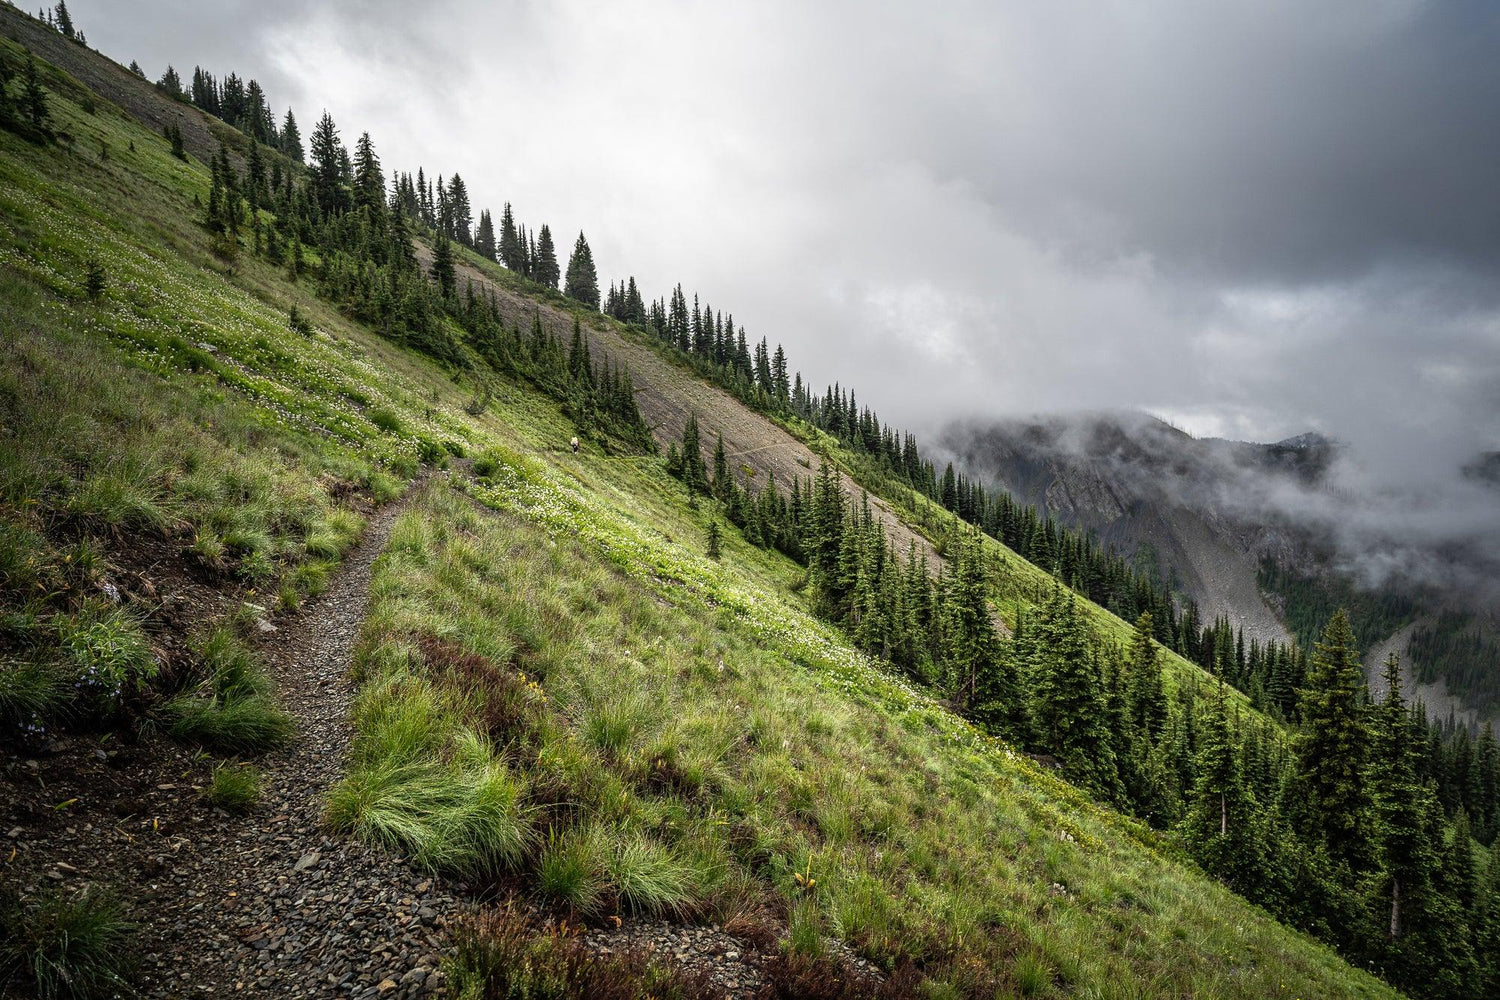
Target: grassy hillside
{"x":562,"y":694}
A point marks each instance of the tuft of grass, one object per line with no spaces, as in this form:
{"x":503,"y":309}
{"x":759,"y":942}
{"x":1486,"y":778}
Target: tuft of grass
{"x":419,"y":786}
{"x":239,"y":725}
{"x":646,"y":875}
{"x":234,"y":787}
{"x":385,"y":419}
{"x":31,"y":693}
{"x":120,"y":499}
{"x":77,"y":946}
{"x":570,"y":872}
{"x":1033,"y":977}
{"x":233,"y":709}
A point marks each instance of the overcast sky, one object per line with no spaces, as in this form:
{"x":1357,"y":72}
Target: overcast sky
{"x":1253,"y":218}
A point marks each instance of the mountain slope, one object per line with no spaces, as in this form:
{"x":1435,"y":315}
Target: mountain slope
{"x":692,"y":710}
{"x":1147,"y":489}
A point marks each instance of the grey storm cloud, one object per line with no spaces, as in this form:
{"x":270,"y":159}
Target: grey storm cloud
{"x":1251,"y":218}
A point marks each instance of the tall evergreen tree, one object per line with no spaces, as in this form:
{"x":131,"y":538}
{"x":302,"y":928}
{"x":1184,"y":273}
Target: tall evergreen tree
{"x":443,"y":271}
{"x":484,"y":239}
{"x":327,"y":174}
{"x":1332,"y":747}
{"x":291,"y":137}
{"x":509,"y":241}
{"x":1066,"y":697}
{"x":369,"y":182}
{"x":460,"y":216}
{"x":544,"y":269}
{"x":582,"y":281}
{"x":1146,"y":696}
{"x":64,"y":19}
{"x":1220,"y":826}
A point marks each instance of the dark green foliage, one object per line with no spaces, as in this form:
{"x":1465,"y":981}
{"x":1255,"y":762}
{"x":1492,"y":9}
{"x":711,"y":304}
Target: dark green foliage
{"x":582,"y":281}
{"x":1067,"y":698}
{"x":174,"y":136}
{"x":76,"y":946}
{"x":1147,"y":696}
{"x":713,"y":539}
{"x":443,"y":270}
{"x":1332,"y":748}
{"x":95,"y":280}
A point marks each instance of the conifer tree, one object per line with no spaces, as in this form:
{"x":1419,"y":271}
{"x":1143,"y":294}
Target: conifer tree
{"x":484,"y":239}
{"x":509,"y":243}
{"x":327,"y":175}
{"x":544,"y":268}
{"x":1220,"y":826}
{"x":713,"y":539}
{"x":171,"y":82}
{"x":291,"y":138}
{"x":1146,"y":695}
{"x":64,"y":19}
{"x":582,"y":282}
{"x":1401,"y":802}
{"x":693,"y":472}
{"x":443,"y":271}
{"x":1066,"y":700}
{"x":369,"y":182}
{"x":1332,"y":747}
{"x":460,"y":216}
{"x":34,"y":100}
{"x":174,"y":136}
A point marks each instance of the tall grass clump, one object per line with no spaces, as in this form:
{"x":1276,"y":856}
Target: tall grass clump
{"x":31,"y":694}
{"x":420,"y":785}
{"x":78,"y":945}
{"x":233,"y":709}
{"x":233,"y":787}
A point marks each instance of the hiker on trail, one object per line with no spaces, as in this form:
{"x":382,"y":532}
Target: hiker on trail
{"x":574,"y":443}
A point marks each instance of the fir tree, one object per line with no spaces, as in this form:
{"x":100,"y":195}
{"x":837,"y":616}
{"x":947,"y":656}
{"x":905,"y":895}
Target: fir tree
{"x":291,"y":138}
{"x":64,"y":20}
{"x":713,"y":539}
{"x":34,"y":100}
{"x":460,"y":216}
{"x":1401,"y":803}
{"x":1332,"y":747}
{"x":509,"y":241}
{"x":582,"y":282}
{"x":1147,"y":697}
{"x":1220,"y":824}
{"x":171,"y":82}
{"x":327,"y":173}
{"x":722,"y":483}
{"x":443,"y":270}
{"x":369,"y":182}
{"x":1066,"y":700}
{"x":693,"y":472}
{"x":544,"y":269}
{"x":95,"y":280}
{"x":484,"y":239}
